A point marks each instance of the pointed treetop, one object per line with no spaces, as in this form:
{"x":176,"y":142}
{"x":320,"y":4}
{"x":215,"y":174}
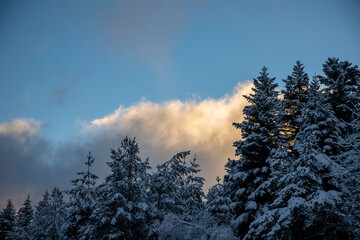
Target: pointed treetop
{"x":218,"y":180}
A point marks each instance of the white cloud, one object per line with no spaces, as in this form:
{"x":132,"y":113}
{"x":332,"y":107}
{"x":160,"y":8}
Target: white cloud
{"x":21,"y":127}
{"x":205,"y":127}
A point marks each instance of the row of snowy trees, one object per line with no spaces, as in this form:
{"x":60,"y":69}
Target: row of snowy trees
{"x":297,"y":176}
{"x":130,"y":204}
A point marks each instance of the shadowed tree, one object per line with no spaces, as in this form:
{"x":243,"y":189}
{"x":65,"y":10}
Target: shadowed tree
{"x":342,"y":86}
{"x":7,"y":221}
{"x":308,"y":197}
{"x":79,"y":224}
{"x":121,"y":209}
{"x":295,"y":98}
{"x":259,"y":139}
{"x":24,"y":219}
{"x":49,"y":216}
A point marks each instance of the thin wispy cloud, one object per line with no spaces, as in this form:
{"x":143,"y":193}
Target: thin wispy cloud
{"x":62,"y":90}
{"x":58,"y":94}
{"x":146,"y":29}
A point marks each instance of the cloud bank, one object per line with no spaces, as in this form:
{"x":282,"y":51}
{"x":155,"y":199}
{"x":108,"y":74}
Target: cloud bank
{"x":30,"y":163}
{"x":204,"y":127}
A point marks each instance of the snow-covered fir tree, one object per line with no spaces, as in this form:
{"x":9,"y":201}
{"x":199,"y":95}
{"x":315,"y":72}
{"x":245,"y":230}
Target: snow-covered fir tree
{"x":259,"y":139}
{"x":23,"y":220}
{"x":79,"y":224}
{"x":307,"y":197}
{"x":342,"y":88}
{"x":349,"y":111}
{"x":342,"y":82}
{"x":121,"y":209}
{"x":294,"y":99}
{"x":218,"y":204}
{"x":185,"y":216}
{"x":290,"y":118}
{"x":41,"y":223}
{"x":192,"y":191}
{"x":175,"y":186}
{"x":8,"y":221}
{"x":176,"y":190}
{"x":167,"y":183}
{"x":49,"y":216}
{"x":350,"y":162}
{"x":57,"y":217}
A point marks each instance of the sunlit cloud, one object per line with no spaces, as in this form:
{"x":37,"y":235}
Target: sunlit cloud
{"x":21,"y":127}
{"x":204,"y":126}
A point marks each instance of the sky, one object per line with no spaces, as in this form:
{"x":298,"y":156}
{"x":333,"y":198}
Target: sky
{"x":80,"y":75}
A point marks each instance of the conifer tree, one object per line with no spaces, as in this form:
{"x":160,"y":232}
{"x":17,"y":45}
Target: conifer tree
{"x":24,"y":218}
{"x":41,"y":224}
{"x":342,"y":84}
{"x":176,"y":190}
{"x":175,"y":186}
{"x":192,"y":191}
{"x":349,"y":160}
{"x":58,"y":212}
{"x":7,"y":221}
{"x":290,"y":118}
{"x":308,"y":198}
{"x":165,"y":197}
{"x":79,"y":224}
{"x":342,"y":88}
{"x":295,"y":97}
{"x":259,"y":139}
{"x":218,"y":204}
{"x":121,"y":210}
{"x":49,"y":216}
{"x":167,"y":184}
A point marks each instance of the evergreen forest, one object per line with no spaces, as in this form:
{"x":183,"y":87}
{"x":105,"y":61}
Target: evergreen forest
{"x":296,"y":176}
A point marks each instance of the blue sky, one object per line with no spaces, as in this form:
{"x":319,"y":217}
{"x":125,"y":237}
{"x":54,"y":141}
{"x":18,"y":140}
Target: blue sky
{"x":79,"y":75}
{"x":64,"y":61}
